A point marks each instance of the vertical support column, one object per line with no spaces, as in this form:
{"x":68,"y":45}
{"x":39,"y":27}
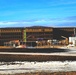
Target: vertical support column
{"x":24,"y":35}
{"x":74,"y":32}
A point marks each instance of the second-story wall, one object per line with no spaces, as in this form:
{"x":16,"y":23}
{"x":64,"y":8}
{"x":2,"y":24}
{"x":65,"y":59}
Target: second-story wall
{"x":9,"y":34}
{"x":33,"y":34}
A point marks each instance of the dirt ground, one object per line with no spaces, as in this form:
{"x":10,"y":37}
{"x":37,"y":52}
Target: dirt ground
{"x":45,"y":73}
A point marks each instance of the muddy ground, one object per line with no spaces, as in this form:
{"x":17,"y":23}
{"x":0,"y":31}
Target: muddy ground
{"x":45,"y":73}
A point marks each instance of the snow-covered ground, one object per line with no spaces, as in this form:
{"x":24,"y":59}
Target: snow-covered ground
{"x":49,"y":66}
{"x":68,"y":53}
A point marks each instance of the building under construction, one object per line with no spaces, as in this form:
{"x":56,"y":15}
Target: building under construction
{"x":34,"y":34}
{"x":10,"y":34}
{"x":64,"y":31}
{"x":39,"y":33}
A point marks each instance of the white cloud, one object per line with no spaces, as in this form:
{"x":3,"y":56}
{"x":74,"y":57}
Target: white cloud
{"x":62,"y":2}
{"x":38,"y":21}
{"x":54,"y":22}
{"x":8,"y":23}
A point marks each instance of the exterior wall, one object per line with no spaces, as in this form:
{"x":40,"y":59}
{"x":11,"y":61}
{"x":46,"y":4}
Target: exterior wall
{"x":66,"y":32}
{"x":33,"y":34}
{"x":9,"y":34}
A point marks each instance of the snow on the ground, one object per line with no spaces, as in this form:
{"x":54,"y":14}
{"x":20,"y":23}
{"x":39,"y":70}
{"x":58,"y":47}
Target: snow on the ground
{"x":69,"y":53}
{"x":49,"y":66}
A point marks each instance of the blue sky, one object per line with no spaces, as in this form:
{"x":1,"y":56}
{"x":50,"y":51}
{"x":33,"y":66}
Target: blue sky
{"x":24,"y":13}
